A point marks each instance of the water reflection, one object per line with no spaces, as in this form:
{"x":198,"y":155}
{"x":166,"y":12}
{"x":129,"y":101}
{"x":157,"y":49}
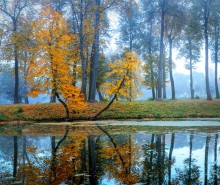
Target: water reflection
{"x":102,"y":155}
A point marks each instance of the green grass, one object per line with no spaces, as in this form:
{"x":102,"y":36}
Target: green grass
{"x":119,"y":110}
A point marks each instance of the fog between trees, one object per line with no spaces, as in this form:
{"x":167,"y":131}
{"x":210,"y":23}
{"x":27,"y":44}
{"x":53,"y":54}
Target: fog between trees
{"x":73,"y":47}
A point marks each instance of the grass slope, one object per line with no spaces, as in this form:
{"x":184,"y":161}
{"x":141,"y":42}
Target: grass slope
{"x":119,"y":110}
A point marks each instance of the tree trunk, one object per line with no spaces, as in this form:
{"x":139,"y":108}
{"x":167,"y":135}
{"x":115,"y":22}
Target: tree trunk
{"x":206,"y":159}
{"x":94,"y":55}
{"x":159,"y":159}
{"x":25,"y":82}
{"x":191,"y":73}
{"x":170,"y":157}
{"x":164,"y":80}
{"x":92,"y":160}
{"x":65,"y":106}
{"x":101,"y":99}
{"x":151,"y":63}
{"x":16,"y":88}
{"x":151,"y":159}
{"x":215,"y":172}
{"x":84,"y":67}
{"x":190,"y":156}
{"x":216,"y":60}
{"x":171,"y":69}
{"x":53,"y":97}
{"x":113,"y":99}
{"x":206,"y":18}
{"x":160,"y":68}
{"x":15,"y":163}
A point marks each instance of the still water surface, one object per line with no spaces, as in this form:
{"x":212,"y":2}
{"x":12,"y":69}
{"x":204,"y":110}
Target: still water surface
{"x":116,"y":154}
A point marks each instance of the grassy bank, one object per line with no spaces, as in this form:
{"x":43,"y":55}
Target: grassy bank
{"x":119,"y":110}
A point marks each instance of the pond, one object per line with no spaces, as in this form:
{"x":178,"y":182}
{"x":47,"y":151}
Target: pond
{"x":110,"y":152}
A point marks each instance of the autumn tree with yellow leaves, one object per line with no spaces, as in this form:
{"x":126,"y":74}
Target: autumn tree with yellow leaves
{"x":50,"y":67}
{"x":125,"y":79}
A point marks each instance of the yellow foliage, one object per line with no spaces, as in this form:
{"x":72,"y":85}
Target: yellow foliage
{"x":127,"y":71}
{"x":51,"y":65}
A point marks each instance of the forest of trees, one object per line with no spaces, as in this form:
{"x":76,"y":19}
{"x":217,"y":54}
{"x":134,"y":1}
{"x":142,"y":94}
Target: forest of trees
{"x":60,"y":47}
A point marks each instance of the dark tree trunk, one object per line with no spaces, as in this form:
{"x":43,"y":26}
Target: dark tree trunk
{"x":170,"y":157}
{"x":15,"y":160}
{"x":215,"y":172}
{"x":159,"y":159}
{"x":16,"y":92}
{"x":217,"y":30}
{"x":94,"y":55}
{"x":74,"y":74}
{"x":84,"y":67}
{"x":171,"y":68}
{"x":54,"y":150}
{"x":206,"y":159}
{"x":65,"y":106}
{"x":113,"y":99}
{"x":160,"y":68}
{"x":206,"y":21}
{"x":92,"y":160}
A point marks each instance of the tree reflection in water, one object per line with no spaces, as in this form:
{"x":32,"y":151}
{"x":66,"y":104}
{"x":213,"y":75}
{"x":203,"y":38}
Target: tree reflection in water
{"x":94,"y":155}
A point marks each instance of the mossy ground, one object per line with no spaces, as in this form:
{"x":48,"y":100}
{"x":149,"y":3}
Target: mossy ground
{"x":119,"y":110}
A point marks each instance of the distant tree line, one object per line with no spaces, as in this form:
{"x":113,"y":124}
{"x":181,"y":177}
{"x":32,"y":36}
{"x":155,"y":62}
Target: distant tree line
{"x":58,"y":46}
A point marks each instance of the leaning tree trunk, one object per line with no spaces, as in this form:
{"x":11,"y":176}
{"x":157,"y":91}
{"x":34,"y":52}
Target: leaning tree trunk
{"x":206,"y":18}
{"x":65,"y":106}
{"x":94,"y":55}
{"x":171,"y":69}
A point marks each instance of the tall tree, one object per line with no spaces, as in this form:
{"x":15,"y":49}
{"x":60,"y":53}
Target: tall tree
{"x":49,"y":68}
{"x":149,"y":44}
{"x":190,"y":42}
{"x":80,"y":18}
{"x":162,"y":5}
{"x":215,"y":40}
{"x":206,"y":8}
{"x":174,"y":22}
{"x":95,"y":52}
{"x":13,"y":10}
